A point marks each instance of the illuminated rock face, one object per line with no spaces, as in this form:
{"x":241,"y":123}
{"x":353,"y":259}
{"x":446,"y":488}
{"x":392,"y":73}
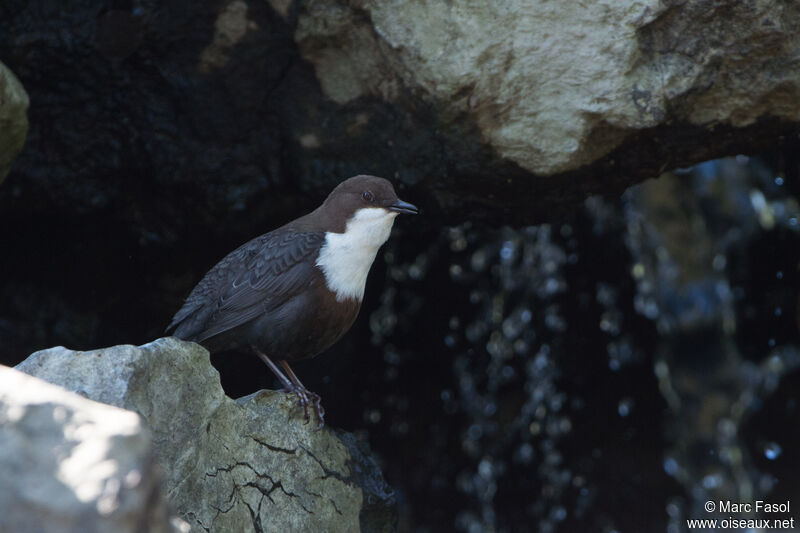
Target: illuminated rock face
{"x":250,"y":464}
{"x":70,"y":464}
{"x":554,"y":86}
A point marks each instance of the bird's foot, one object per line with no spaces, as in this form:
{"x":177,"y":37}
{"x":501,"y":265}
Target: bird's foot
{"x":306,"y":399}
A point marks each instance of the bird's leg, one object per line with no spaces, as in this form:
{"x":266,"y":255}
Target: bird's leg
{"x":313,"y":396}
{"x":275,"y":370}
{"x":293,"y":385}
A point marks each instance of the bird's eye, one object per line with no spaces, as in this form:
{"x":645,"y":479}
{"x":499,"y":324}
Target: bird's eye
{"x":367,"y":196}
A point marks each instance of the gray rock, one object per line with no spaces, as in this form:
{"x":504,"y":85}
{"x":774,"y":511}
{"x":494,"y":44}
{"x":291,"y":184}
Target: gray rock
{"x":251,"y":464}
{"x":13,"y":119}
{"x":72,"y":464}
{"x":508,"y":112}
{"x":553,"y":86}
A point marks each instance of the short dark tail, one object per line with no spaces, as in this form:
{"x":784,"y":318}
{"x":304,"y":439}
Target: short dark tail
{"x":180,"y":326}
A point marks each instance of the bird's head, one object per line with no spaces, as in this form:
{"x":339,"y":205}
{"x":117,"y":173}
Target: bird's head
{"x":359,"y":214}
{"x":367,"y":204}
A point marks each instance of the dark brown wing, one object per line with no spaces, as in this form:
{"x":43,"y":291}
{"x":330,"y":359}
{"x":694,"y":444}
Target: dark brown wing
{"x":258,"y":276}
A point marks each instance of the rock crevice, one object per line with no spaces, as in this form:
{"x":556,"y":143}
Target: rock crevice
{"x":228,"y":465}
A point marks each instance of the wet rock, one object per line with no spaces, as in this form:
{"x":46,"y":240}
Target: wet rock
{"x":13,"y":119}
{"x":71,"y":465}
{"x":379,"y":507}
{"x":250,"y":464}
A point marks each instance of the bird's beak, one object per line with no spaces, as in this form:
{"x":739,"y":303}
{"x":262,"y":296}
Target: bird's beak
{"x":404,"y":207}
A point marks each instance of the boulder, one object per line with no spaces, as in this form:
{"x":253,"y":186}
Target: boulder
{"x":250,"y":464}
{"x":13,"y":119}
{"x":537,"y":103}
{"x":584,"y":78}
{"x":510,"y":112}
{"x":75,"y":465}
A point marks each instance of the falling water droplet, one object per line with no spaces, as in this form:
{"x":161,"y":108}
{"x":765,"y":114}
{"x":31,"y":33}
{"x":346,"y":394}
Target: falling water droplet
{"x":624,"y":407}
{"x":671,"y":466}
{"x":772,"y":450}
{"x":507,"y":251}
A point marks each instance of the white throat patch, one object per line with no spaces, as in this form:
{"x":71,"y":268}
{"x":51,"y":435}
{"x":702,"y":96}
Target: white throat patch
{"x":345,"y":258}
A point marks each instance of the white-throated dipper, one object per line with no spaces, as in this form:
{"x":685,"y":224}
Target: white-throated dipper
{"x":293,"y":292}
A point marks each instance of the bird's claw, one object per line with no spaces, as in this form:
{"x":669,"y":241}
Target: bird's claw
{"x":306,"y":398}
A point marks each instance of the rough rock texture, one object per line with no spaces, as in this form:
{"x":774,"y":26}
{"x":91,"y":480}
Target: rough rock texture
{"x":553,"y":86}
{"x":13,"y":119}
{"x":243,"y":465}
{"x":74,"y":465}
{"x":556,"y":86}
{"x":508,"y":112}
